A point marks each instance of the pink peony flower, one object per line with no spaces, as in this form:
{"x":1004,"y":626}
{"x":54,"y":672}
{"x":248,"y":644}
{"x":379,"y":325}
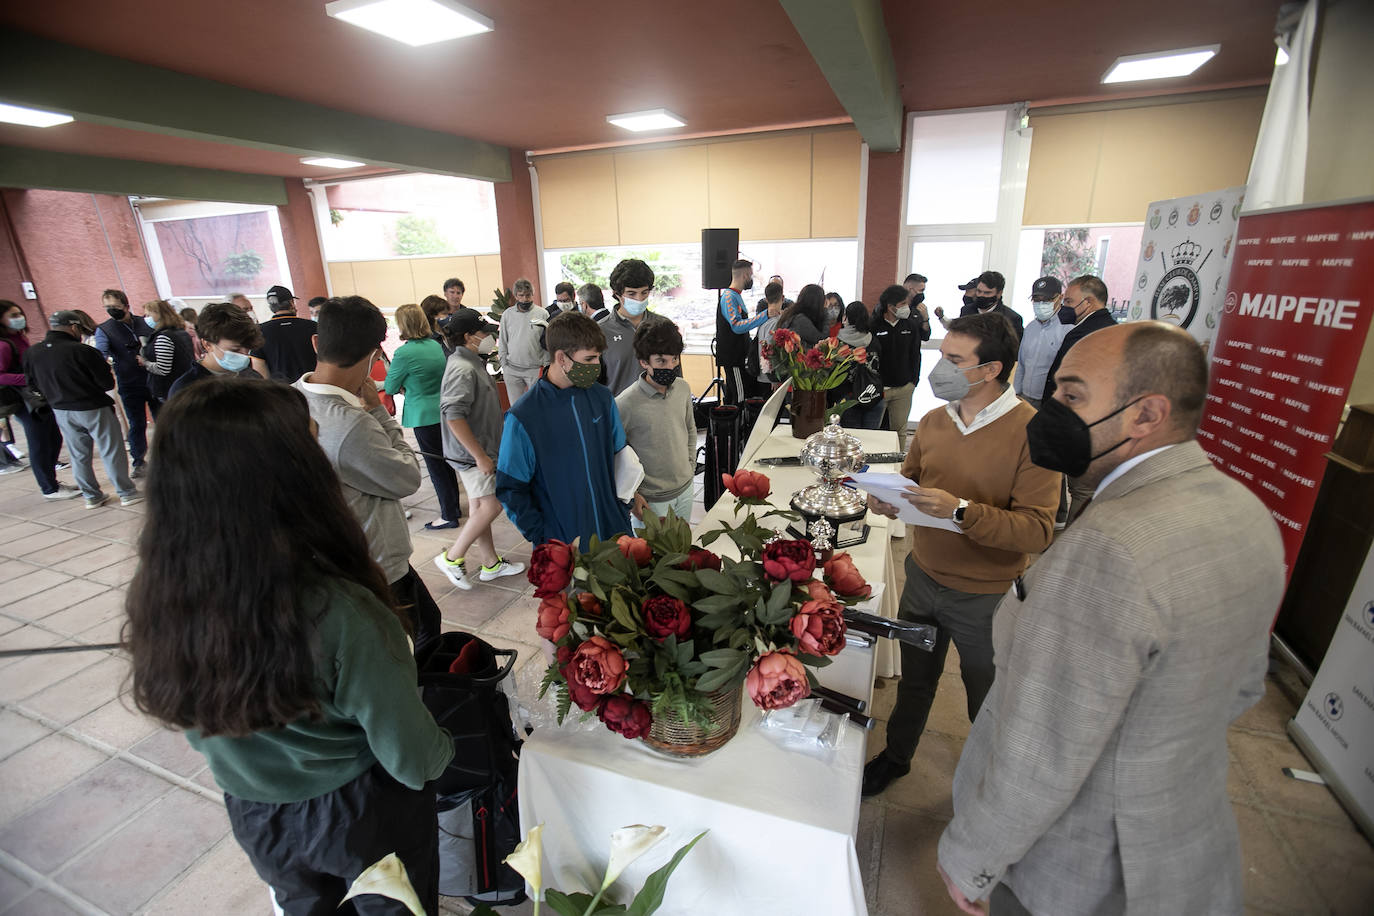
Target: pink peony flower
{"x":777,"y":681}
{"x":552,"y":620}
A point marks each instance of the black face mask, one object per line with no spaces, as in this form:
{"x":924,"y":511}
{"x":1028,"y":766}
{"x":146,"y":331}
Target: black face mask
{"x":1059,"y":440}
{"x":970,"y":299}
{"x":663,"y":377}
{"x":1067,"y":315}
{"x":116,"y":314}
{"x":987,"y":303}
{"x":918,"y":298}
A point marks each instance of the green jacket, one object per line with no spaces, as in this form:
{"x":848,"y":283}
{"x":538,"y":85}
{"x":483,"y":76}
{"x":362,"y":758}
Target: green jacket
{"x":371,"y":713}
{"x":418,"y":367}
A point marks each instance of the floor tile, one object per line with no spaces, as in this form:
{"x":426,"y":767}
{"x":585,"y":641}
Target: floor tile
{"x":15,"y":532}
{"x":117,"y":724}
{"x":24,"y":636}
{"x":515,"y":622}
{"x":34,"y":544}
{"x":44,"y":604}
{"x":36,"y":672}
{"x":32,"y":774}
{"x":18,"y":732}
{"x":100,"y":553}
{"x":128,"y":867}
{"x":1270,"y":714}
{"x":41,"y":903}
{"x":469,"y":610}
{"x":1338,"y":862}
{"x":222,"y":882}
{"x":928,"y":788}
{"x":83,"y":692}
{"x":13,"y":569}
{"x":101,"y":800}
{"x":12,"y":887}
{"x":117,"y":573}
{"x":1270,"y":878}
{"x":72,"y":544}
{"x":32,"y":583}
{"x":85,"y":614}
{"x":908,"y":882}
{"x":1263,"y":758}
{"x":170,"y":750}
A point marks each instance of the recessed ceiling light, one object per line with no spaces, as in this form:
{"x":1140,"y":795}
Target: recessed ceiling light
{"x":32,"y":117}
{"x":329,"y":162}
{"x":1159,"y":65}
{"x":653,"y":119}
{"x":415,"y":22}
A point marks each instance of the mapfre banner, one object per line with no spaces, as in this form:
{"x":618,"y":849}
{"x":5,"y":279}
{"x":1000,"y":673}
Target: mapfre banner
{"x":1291,"y":330}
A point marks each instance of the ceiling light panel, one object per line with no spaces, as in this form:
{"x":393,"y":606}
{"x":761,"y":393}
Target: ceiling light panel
{"x":414,"y":22}
{"x":330,"y":162}
{"x":654,"y":119}
{"x":1159,"y":65}
{"x":32,"y":117}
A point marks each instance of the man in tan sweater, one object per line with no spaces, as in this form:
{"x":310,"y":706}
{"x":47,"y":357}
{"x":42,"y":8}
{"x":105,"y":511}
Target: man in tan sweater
{"x":969,"y":461}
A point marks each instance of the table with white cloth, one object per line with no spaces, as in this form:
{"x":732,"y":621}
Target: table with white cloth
{"x":781,"y":821}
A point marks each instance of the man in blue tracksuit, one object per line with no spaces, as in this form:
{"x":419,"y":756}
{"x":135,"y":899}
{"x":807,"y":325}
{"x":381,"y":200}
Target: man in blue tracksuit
{"x":555,"y":475}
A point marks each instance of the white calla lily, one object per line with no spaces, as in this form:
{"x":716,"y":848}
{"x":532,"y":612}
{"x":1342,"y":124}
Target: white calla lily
{"x":387,"y":878}
{"x":628,"y":844}
{"x":527,"y":860}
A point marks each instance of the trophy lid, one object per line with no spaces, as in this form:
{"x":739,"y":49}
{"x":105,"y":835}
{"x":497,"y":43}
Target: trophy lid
{"x":832,"y":445}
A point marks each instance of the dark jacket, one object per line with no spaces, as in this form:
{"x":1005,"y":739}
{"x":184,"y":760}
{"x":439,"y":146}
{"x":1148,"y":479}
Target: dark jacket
{"x":71,"y":375}
{"x":899,"y":350}
{"x":1001,"y":308}
{"x":286,"y":346}
{"x":803,"y":327}
{"x":1094,"y":322}
{"x":183,"y":357}
{"x":121,"y":342}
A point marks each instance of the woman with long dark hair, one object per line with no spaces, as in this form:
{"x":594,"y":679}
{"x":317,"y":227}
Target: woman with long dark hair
{"x":864,"y":382}
{"x":40,"y":425}
{"x":258,"y":622}
{"x":169,"y":352}
{"x":897,"y":338}
{"x":806,"y":316}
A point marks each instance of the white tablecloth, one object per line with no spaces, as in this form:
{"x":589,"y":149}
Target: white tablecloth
{"x":782,"y":822}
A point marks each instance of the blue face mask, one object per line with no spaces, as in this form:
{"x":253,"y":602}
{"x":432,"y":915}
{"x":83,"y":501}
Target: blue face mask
{"x":634,"y":307}
{"x":17,"y":324}
{"x":151,"y":321}
{"x":233,"y":362}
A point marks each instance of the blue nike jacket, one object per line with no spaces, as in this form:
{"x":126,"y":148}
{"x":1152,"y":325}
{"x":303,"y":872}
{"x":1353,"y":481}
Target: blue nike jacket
{"x":555,"y":474}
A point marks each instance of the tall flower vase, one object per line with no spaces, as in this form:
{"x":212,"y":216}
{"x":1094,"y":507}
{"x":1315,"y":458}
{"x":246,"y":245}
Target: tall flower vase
{"x":808,"y":412}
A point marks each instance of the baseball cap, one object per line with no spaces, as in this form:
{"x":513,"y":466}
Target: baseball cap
{"x":970,"y":284}
{"x":465,"y":321}
{"x":68,"y":317}
{"x":1046,"y":288}
{"x":280,"y":293}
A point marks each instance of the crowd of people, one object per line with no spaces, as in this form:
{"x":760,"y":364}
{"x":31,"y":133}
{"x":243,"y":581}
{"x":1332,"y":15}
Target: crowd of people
{"x":1107,"y":589}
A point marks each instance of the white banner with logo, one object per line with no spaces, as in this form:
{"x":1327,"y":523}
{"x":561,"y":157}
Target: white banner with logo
{"x":1335,"y":726}
{"x":1185,"y":258}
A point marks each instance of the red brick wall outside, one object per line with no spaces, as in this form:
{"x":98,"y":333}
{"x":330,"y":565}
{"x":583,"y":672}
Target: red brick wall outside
{"x":302,"y":243}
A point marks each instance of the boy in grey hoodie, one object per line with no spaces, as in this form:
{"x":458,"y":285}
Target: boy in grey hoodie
{"x":522,"y":352}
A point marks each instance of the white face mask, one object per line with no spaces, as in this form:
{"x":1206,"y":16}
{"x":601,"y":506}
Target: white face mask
{"x":634,"y":307}
{"x":902,"y":311}
{"x":487,"y":346}
{"x":1044,"y":310}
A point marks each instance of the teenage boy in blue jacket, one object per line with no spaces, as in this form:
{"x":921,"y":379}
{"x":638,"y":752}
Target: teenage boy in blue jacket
{"x":555,"y":475}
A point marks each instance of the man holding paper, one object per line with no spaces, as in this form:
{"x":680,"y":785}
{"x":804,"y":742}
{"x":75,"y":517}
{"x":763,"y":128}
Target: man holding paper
{"x":969,"y":464}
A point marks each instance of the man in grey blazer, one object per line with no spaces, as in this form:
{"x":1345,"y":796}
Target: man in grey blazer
{"x":1094,"y":779}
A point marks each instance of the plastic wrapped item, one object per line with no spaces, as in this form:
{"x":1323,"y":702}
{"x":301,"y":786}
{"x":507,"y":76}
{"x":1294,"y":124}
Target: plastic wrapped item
{"x":806,"y":727}
{"x":530,"y":711}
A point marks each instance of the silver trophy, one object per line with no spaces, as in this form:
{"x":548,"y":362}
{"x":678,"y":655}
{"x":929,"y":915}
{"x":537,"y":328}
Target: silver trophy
{"x":833,"y":455}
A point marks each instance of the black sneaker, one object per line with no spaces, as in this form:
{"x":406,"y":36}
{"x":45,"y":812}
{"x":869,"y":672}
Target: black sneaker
{"x":879,"y":773}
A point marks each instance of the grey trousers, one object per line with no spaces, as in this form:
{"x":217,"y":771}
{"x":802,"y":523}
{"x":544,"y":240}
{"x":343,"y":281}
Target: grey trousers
{"x":84,"y":428}
{"x":961,"y":616}
{"x":516,"y":385}
{"x":1004,"y":903}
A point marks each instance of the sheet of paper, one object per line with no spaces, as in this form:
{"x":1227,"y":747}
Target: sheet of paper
{"x":891,"y":488}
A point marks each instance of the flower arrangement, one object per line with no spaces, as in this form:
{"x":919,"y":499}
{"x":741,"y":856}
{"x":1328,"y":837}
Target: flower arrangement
{"x":646,"y":627}
{"x":824,"y":366}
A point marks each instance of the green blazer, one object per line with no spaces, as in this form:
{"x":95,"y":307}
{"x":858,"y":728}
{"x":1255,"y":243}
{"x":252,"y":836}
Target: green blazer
{"x":417,"y":367}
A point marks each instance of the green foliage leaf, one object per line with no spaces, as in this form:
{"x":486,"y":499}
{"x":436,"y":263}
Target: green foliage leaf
{"x":714,"y":604}
{"x":720,"y":658}
{"x":484,"y":910}
{"x":620,"y":610}
{"x":550,"y":675}
{"x":564,"y":702}
{"x":716,"y":581}
{"x":709,"y":537}
{"x":680,"y":576}
{"x":650,"y":896}
{"x":576,"y":904}
{"x":717,"y":678}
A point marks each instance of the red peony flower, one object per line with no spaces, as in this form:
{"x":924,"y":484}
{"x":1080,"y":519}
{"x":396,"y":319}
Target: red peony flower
{"x":793,"y":560}
{"x":595,"y":668}
{"x":747,"y":484}
{"x":844,"y":577}
{"x":819,"y":626}
{"x":666,"y":616}
{"x":700,"y":558}
{"x":625,"y":715}
{"x":552,"y":619}
{"x":636,"y":549}
{"x":816,"y":591}
{"x":589,"y":606}
{"x":777,"y":681}
{"x":551,"y":568}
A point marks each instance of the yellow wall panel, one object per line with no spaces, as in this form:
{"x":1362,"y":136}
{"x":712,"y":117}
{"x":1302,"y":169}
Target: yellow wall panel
{"x":1170,"y":151}
{"x":428,"y":274}
{"x":1063,"y":166}
{"x":577,"y":201}
{"x":481,"y":292}
{"x":341,"y":278}
{"x":662,"y":194}
{"x":386,"y":284}
{"x":762,"y":186}
{"x":835,"y":184}
{"x":698,"y":371}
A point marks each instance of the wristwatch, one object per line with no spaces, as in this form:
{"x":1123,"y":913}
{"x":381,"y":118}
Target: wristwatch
{"x":958,"y":515}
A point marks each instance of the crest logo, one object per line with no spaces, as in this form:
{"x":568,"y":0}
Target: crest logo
{"x":1194,"y":214}
{"x":1179,"y":293}
{"x":1369,"y":613}
{"x":1154,"y":218}
{"x":1334,"y":705}
{"x":1226,"y":247}
{"x":1149,"y":249}
{"x":1173,"y":217}
{"x":1137,"y":311}
{"x":1231,"y":300}
{"x":1143,"y":281}
{"x":1215,"y":213}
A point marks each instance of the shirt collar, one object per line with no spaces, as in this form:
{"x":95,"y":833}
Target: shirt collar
{"x":348,"y":397}
{"x":1004,"y":403}
{"x":1126,"y":465}
{"x":647,"y":388}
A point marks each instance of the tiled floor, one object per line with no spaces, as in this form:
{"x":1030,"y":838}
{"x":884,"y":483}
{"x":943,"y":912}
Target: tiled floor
{"x":102,"y":811}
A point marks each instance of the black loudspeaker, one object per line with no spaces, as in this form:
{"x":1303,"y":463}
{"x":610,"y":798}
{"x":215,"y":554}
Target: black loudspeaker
{"x":719,"y":249}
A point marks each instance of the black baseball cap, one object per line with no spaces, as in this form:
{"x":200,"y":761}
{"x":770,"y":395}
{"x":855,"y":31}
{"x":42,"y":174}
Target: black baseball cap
{"x":1046,"y":288}
{"x":970,"y":284}
{"x":466,"y":321}
{"x":68,"y":317}
{"x":281,"y":294}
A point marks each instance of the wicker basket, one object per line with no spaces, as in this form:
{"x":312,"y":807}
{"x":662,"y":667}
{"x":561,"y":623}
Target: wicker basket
{"x":670,"y":735}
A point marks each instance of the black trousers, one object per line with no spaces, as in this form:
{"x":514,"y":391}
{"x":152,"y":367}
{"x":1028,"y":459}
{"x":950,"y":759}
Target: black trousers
{"x":138,"y":403}
{"x":45,"y":441}
{"x":411,"y":593}
{"x":441,"y":474}
{"x":309,"y":852}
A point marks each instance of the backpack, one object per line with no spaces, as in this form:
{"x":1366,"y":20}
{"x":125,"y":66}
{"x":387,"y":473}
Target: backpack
{"x":864,"y":383}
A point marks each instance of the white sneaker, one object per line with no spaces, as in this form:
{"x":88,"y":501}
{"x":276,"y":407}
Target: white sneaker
{"x":95,"y":502}
{"x":13,"y":468}
{"x":133,"y":499}
{"x":454,"y":570}
{"x":503,"y":567}
{"x":63,"y":492}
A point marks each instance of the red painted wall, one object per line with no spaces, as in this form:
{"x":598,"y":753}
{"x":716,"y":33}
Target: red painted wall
{"x":882,"y":224}
{"x":302,"y":244}
{"x":515,"y":223}
{"x":71,"y":246}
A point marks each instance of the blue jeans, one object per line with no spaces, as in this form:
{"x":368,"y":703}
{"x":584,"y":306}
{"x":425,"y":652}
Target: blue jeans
{"x":865,"y":416}
{"x":137,"y":404}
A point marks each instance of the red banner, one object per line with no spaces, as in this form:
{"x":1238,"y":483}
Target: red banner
{"x":1292,"y":327}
